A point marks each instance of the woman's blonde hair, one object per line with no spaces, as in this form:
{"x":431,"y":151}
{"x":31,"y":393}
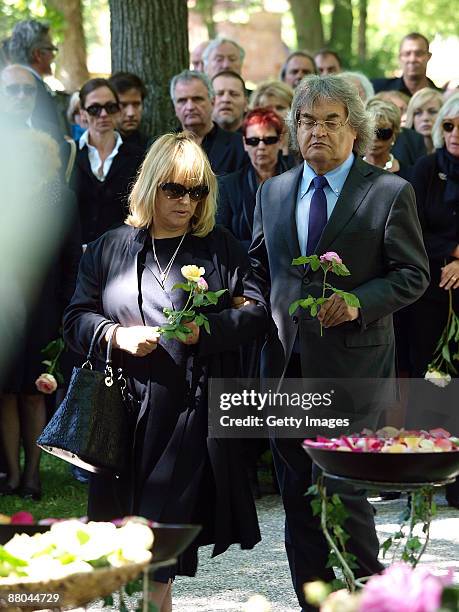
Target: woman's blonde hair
{"x":271,"y":88}
{"x":173,"y":158}
{"x":419,"y":99}
{"x":384,"y":110}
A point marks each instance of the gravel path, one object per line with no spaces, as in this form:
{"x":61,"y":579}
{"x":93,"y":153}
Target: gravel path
{"x":226,"y":582}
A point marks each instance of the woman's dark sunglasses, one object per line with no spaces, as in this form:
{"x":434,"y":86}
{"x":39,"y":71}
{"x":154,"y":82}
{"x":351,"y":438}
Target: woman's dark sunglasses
{"x":110,"y":108}
{"x":384,"y":133}
{"x":448,"y":126}
{"x":254,"y":141}
{"x":175,"y":191}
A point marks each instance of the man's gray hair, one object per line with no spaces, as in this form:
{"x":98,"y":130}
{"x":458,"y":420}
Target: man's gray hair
{"x":215,"y":43}
{"x":190,"y":75}
{"x":26,"y":37}
{"x":363,"y":80}
{"x":314,"y":89}
{"x":450,"y":109}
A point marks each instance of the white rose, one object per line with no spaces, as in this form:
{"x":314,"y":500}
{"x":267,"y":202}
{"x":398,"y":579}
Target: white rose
{"x":192,"y":273}
{"x":437,"y":378}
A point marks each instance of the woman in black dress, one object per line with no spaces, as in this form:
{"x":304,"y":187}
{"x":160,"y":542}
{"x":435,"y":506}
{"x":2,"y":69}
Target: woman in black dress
{"x":178,"y":474}
{"x":436,"y":182}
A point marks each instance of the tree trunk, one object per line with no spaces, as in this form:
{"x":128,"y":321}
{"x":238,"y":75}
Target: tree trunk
{"x":341,"y":29}
{"x":150,"y":38}
{"x":71,"y":66}
{"x":362,"y":36}
{"x":206,"y":9}
{"x":308,"y":24}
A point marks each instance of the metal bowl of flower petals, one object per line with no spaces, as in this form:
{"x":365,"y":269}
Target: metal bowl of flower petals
{"x":388,"y":455}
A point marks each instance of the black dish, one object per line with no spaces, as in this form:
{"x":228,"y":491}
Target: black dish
{"x":387,"y":467}
{"x":171,"y":540}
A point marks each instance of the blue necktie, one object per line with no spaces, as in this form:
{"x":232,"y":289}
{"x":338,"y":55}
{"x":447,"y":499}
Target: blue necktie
{"x":317,"y":214}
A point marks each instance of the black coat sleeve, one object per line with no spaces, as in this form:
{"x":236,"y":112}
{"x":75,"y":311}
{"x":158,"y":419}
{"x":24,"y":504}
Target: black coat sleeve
{"x":231,"y":328}
{"x":84,"y":313}
{"x":224,"y":210}
{"x":71,"y":250}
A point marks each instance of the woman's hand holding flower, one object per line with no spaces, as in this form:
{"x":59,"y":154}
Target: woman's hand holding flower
{"x":192,"y":338}
{"x":450,"y":275}
{"x":139,"y":340}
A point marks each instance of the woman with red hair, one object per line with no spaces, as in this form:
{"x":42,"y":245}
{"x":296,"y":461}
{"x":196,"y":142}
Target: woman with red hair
{"x":262,"y":130}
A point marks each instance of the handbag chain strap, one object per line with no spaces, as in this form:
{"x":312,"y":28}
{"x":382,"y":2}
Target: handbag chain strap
{"x":108,"y":359}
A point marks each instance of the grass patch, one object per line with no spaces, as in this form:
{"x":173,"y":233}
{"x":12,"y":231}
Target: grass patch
{"x":62,"y":495}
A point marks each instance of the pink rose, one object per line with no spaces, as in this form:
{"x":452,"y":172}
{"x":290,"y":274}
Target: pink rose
{"x":46,"y":383}
{"x":22,"y":518}
{"x":331,"y":256}
{"x":404,"y":589}
{"x":202,"y":285}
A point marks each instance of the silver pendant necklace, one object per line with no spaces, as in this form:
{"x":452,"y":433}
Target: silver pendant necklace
{"x":163,"y":274}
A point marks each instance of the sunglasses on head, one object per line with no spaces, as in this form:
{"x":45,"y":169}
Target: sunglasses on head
{"x":95,"y":110}
{"x":448,"y":126}
{"x":175,"y":191}
{"x":267,"y":140}
{"x":384,"y":133}
{"x":16,"y":89}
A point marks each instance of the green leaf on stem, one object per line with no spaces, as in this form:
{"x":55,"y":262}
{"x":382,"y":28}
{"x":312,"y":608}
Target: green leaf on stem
{"x":313,"y":260}
{"x":314,"y":310}
{"x":199,"y":299}
{"x":445,"y":353}
{"x":349,"y":298}
{"x":340,"y":269}
{"x":206,"y":325}
{"x":184,"y":286}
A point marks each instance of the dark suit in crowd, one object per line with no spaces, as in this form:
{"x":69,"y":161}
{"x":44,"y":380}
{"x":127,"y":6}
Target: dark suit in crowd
{"x":225,"y":150}
{"x":104,"y":204}
{"x":236,"y":201}
{"x":409,"y":147}
{"x":374,"y":227}
{"x":396,"y":84}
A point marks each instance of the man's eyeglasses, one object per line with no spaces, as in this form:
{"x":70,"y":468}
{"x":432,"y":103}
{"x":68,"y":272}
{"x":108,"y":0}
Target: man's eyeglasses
{"x":267,"y":140}
{"x":448,"y":126}
{"x":95,"y":110}
{"x":384,"y":133}
{"x":175,"y":191}
{"x":15,"y":89}
{"x":331,"y":125}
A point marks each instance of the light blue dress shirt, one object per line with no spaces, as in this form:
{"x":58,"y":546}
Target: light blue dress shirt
{"x":336,"y":179}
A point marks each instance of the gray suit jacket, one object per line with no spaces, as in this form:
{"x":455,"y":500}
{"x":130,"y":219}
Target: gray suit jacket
{"x":375,"y":229}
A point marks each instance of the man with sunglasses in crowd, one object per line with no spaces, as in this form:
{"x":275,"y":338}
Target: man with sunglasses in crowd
{"x":193,"y":97}
{"x":333,"y":202}
{"x":105,"y":166}
{"x":31,"y":46}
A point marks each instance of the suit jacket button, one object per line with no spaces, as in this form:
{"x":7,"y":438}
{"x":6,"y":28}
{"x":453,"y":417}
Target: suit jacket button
{"x":295,"y":320}
{"x":306,"y":280}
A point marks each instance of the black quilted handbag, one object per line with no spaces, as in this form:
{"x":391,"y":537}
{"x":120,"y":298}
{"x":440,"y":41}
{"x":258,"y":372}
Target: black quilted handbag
{"x":91,"y":427}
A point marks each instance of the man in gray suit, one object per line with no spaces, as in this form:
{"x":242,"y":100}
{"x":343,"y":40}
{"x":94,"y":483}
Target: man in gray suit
{"x":332,"y":202}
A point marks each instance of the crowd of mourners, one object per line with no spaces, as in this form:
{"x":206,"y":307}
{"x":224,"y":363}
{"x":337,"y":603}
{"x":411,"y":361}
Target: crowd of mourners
{"x":202,"y":196}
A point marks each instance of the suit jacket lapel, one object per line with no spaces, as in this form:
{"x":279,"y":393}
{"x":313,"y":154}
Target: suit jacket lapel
{"x":351,"y":197}
{"x":288,"y":195}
